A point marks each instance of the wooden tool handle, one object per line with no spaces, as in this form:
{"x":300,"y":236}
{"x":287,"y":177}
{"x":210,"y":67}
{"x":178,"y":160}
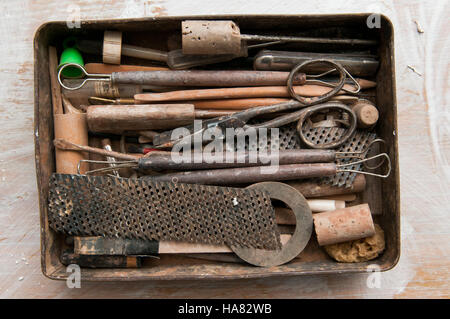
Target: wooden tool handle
{"x":247,"y":175}
{"x":97,"y":245}
{"x":100,"y":68}
{"x":119,"y":118}
{"x":205,"y":78}
{"x":235,"y":104}
{"x":313,"y":189}
{"x":236,"y":93}
{"x":165,"y":160}
{"x":100,"y":261}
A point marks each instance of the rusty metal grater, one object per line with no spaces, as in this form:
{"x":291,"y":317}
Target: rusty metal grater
{"x":289,"y":139}
{"x":359,"y":141}
{"x":108,"y":206}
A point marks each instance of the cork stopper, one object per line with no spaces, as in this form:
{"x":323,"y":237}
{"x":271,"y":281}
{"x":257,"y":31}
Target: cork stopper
{"x":344,"y":225}
{"x":366,"y":113}
{"x":210,"y":37}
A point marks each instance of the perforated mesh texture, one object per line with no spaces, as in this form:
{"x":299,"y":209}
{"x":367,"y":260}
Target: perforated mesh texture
{"x":131,"y":208}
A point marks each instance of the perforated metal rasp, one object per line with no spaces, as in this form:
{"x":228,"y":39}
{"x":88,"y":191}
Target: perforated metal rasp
{"x":288,"y":139}
{"x":108,"y":206}
{"x":358,"y":142}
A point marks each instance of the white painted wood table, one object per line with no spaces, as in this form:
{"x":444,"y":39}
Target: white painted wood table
{"x":424,"y":267}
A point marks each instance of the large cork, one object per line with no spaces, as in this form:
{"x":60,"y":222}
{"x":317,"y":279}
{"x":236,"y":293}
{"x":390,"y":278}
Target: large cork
{"x":73,"y":128}
{"x":344,"y":225}
{"x":366,"y":113}
{"x":210,"y":37}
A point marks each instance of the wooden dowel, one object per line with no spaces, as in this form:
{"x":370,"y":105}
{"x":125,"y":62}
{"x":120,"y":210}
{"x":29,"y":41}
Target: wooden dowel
{"x":55,"y":88}
{"x":238,"y":92}
{"x":63,"y":144}
{"x":119,"y":118}
{"x":101,"y":68}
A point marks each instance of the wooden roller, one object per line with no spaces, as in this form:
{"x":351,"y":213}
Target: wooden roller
{"x":119,"y":118}
{"x":236,"y":93}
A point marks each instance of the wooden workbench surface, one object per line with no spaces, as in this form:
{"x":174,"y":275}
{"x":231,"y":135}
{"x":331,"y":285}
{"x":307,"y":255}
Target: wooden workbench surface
{"x":424,"y":145}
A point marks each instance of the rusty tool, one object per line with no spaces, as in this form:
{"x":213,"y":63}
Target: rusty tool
{"x":313,"y":188}
{"x":186,"y":78}
{"x":157,"y":160}
{"x":255,"y":174}
{"x":224,"y":37}
{"x":98,"y":261}
{"x":299,"y":239}
{"x":83,"y":205}
{"x":112,"y":49}
{"x":66,"y":145}
{"x":292,"y":244}
{"x":357,"y":64}
{"x":240,"y":119}
{"x":224,"y":79}
{"x":102,"y":246}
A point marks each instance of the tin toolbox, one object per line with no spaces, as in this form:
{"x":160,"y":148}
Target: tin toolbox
{"x":383,"y":196}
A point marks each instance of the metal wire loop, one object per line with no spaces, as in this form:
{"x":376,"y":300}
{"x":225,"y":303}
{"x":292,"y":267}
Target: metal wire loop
{"x":88,"y":76}
{"x":385,"y":155}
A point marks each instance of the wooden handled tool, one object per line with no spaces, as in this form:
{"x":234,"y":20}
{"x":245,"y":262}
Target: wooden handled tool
{"x":158,"y":160}
{"x":247,"y":175}
{"x":100,"y":261}
{"x":205,"y":78}
{"x":310,"y":90}
{"x":186,"y":78}
{"x":112,"y":49}
{"x":97,"y":245}
{"x":224,"y":37}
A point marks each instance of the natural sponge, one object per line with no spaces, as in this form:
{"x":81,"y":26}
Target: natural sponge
{"x":358,"y":250}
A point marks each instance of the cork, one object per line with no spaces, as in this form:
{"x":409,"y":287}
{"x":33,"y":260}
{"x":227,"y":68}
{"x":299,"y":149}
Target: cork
{"x":366,"y":113}
{"x":210,"y":37}
{"x":73,"y":128}
{"x":344,"y":225}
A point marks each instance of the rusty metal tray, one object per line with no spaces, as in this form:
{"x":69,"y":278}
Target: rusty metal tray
{"x":382,"y":196}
